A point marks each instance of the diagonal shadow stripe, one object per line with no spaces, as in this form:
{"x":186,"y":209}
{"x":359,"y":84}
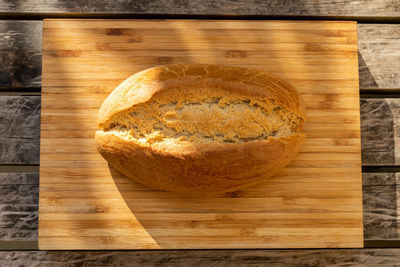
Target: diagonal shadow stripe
{"x":365,"y":76}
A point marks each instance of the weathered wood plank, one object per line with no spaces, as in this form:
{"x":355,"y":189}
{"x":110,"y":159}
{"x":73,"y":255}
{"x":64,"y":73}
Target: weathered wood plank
{"x":379,"y":62}
{"x":321,"y":257}
{"x":347,"y":8}
{"x":380,"y":206}
{"x":377,"y":132}
{"x":20,"y":129}
{"x":380,"y":131}
{"x":20,"y":54}
{"x":19,"y":198}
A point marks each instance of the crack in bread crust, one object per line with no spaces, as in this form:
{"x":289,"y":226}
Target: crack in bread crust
{"x":217,"y":119}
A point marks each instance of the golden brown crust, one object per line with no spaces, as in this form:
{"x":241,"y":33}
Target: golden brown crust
{"x":199,"y":168}
{"x":190,"y":167}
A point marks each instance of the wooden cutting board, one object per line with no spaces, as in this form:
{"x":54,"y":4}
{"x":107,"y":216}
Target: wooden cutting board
{"x":316,"y":202}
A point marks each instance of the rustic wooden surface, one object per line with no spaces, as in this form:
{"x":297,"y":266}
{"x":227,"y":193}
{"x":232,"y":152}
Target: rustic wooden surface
{"x":279,"y":213}
{"x":18,"y":206}
{"x":20,"y":129}
{"x":344,"y":8}
{"x":20,"y":54}
{"x":377,"y":135}
{"x":377,"y":132}
{"x":379,"y":64}
{"x":380,"y":206}
{"x":380,"y":132}
{"x":317,"y":258}
{"x":378,"y":45}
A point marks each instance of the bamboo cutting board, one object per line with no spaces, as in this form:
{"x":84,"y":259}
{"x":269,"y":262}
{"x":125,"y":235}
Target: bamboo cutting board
{"x":316,"y":202}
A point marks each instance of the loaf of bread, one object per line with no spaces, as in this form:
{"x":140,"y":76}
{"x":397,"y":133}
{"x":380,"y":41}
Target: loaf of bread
{"x":194,"y":128}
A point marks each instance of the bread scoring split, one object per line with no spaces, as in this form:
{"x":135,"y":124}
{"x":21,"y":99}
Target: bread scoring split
{"x":216,"y":119}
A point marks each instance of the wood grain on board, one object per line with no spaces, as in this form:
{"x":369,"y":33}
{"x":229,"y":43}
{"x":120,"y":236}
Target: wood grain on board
{"x":84,"y":60}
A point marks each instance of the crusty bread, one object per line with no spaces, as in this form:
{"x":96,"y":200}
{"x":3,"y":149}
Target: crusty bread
{"x":195,"y":128}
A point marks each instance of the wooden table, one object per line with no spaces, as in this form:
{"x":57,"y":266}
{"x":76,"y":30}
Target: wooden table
{"x":20,"y":87}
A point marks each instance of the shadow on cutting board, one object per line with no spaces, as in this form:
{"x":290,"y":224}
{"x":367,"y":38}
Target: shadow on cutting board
{"x":173,"y":219}
{"x":279,"y":212}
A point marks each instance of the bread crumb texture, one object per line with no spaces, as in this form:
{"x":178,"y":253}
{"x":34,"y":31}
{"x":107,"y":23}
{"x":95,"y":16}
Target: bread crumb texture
{"x":203,"y":116}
